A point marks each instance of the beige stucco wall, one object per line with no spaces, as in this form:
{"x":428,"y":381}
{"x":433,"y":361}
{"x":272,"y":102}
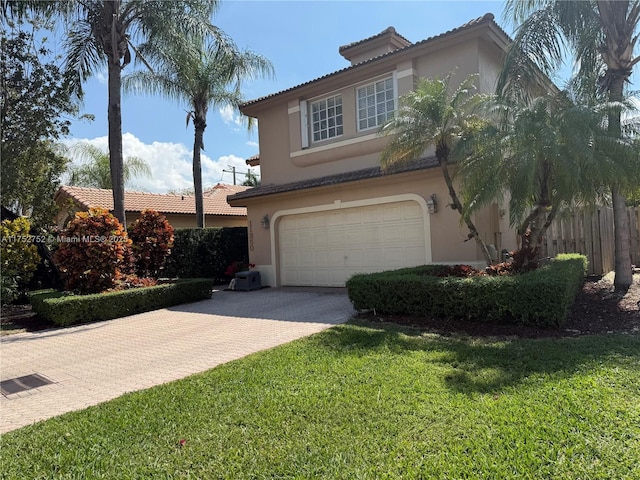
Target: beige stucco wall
{"x":176,"y":220}
{"x":282,"y":156}
{"x":447,"y":236}
{"x":184,"y":221}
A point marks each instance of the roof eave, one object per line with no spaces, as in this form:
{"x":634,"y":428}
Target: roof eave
{"x":425,"y":163}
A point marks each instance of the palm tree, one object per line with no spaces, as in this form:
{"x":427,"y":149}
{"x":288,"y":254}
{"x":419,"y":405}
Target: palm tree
{"x":202,"y":73}
{"x":602,"y":37}
{"x":102,"y":31}
{"x":545,"y":156}
{"x":252,"y":180}
{"x":96,"y":172}
{"x":431,"y":116}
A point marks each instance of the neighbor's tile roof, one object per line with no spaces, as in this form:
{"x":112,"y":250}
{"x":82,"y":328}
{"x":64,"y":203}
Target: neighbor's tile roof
{"x":487,"y":18}
{"x":215,"y":200}
{"x":372,"y":172}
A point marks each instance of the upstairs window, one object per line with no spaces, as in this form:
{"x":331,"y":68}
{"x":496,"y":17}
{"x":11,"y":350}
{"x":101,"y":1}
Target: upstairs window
{"x":376,"y":103}
{"x":326,"y":118}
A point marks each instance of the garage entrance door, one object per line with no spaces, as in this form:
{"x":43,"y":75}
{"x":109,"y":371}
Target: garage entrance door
{"x":326,"y":248}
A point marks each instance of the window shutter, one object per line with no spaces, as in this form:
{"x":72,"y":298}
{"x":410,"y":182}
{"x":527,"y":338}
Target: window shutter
{"x":304,"y":124}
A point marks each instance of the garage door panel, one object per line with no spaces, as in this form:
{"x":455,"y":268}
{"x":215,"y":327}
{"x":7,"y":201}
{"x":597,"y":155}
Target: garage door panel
{"x":412,"y":211}
{"x":392,"y":213}
{"x":353,"y":235}
{"x":336,"y":258}
{"x":326,"y":248}
{"x":370,"y":216}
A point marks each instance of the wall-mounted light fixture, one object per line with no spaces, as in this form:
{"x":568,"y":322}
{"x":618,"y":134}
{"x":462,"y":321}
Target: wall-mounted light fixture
{"x":432,"y":203}
{"x":265,"y":221}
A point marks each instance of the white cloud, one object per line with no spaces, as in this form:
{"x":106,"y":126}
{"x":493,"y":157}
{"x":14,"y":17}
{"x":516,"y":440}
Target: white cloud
{"x":251,"y":143}
{"x":101,"y":77}
{"x":241,"y":168}
{"x":171,"y":164}
{"x":229,"y":115}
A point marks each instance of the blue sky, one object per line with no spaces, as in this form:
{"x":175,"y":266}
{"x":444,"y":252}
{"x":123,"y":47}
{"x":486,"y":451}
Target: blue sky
{"x":300,"y":38}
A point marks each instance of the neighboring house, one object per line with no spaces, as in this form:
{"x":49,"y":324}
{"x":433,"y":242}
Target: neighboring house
{"x":325,"y":210}
{"x":180,"y":210}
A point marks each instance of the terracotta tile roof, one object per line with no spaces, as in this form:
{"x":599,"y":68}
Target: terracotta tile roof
{"x":215,"y":200}
{"x":253,"y":161}
{"x":487,"y":18}
{"x":372,"y":172}
{"x":388,"y":30}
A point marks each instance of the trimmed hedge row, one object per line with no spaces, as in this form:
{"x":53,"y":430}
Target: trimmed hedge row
{"x":539,"y":298}
{"x":206,"y":252}
{"x":63,"y":308}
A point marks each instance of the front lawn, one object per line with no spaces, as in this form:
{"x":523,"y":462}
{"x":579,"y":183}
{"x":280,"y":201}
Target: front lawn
{"x":364,"y":401}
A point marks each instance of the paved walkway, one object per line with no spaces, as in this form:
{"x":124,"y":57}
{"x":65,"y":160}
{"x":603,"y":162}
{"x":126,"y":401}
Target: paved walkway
{"x":93,"y":363}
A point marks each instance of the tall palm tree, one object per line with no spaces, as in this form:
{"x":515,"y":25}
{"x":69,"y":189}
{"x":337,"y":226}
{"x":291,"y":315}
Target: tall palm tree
{"x":602,"y":37}
{"x":545,"y":155}
{"x":95,"y":172}
{"x":433,"y":115}
{"x":103,"y":31}
{"x":202,"y":73}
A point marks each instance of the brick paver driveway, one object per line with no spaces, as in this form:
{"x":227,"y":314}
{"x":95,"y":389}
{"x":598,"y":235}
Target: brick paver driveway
{"x":92,"y":363}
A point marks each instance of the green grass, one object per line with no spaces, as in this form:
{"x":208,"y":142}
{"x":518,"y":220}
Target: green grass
{"x":364,"y":401}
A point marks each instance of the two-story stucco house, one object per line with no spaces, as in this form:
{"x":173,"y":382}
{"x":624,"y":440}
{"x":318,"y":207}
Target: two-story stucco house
{"x":325,"y":209}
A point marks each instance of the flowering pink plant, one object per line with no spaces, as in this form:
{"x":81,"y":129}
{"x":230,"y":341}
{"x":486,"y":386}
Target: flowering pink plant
{"x":236,"y":267}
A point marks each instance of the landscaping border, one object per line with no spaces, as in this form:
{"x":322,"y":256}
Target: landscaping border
{"x":64,"y":308}
{"x":540,"y":298}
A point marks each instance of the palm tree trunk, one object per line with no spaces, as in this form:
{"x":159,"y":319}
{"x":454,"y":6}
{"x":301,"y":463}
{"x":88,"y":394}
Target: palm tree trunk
{"x":441,"y":154}
{"x":200,"y":125}
{"x":622,"y":232}
{"x":116,"y":159}
{"x":532,"y":233}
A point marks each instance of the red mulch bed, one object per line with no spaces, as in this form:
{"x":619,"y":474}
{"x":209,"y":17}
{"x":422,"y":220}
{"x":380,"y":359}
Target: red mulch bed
{"x":597,"y":310}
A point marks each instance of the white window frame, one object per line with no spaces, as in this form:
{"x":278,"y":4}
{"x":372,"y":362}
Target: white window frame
{"x":373,"y":94}
{"x":314,"y":120}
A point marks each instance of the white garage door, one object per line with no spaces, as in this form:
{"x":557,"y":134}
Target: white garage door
{"x":326,"y":248}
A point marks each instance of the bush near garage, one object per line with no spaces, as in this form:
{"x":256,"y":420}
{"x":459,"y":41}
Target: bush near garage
{"x":64,"y":308}
{"x":206,"y":252}
{"x":541,"y":298}
{"x":152,"y":236}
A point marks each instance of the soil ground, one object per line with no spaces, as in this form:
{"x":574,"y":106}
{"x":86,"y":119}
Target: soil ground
{"x":597,"y":310}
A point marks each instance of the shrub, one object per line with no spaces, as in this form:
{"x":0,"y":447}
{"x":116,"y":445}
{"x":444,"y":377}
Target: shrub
{"x":152,"y":238}
{"x":236,"y":267}
{"x":206,"y":252}
{"x":455,"y":271}
{"x":63,"y":308}
{"x":95,"y":252}
{"x":19,"y":255}
{"x":542,"y":297}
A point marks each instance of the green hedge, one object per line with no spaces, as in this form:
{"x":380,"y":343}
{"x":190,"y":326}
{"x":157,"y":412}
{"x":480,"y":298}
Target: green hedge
{"x":206,"y":252}
{"x":63,"y":308}
{"x":541,"y":298}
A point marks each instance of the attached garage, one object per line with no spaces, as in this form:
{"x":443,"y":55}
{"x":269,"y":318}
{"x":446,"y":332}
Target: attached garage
{"x":324,"y":248}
